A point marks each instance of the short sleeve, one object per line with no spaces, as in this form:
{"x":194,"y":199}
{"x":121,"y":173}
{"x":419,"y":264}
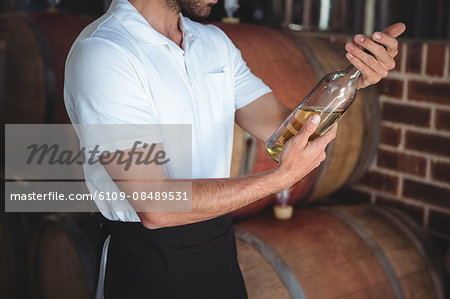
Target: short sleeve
{"x":247,"y":86}
{"x":102,"y":87}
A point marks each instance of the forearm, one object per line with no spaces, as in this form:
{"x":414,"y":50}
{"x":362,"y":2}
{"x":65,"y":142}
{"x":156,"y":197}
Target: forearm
{"x":214,"y":197}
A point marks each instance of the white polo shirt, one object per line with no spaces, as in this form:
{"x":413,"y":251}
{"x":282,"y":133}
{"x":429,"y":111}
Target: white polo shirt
{"x":122,"y":71}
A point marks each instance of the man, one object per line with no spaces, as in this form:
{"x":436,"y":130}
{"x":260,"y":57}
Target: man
{"x":144,"y":63}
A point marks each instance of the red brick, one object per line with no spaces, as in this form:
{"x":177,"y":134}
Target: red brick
{"x":391,"y":87}
{"x":380,"y":181}
{"x":413,"y":211}
{"x":429,"y":92}
{"x":402,"y":162}
{"x":414,"y":58}
{"x":350,"y":196}
{"x":439,"y":222}
{"x":428,"y":143}
{"x":428,"y":193}
{"x":390,"y":136}
{"x":407,"y":114}
{"x":440,"y":171}
{"x":435,"y":60}
{"x":443,"y":120}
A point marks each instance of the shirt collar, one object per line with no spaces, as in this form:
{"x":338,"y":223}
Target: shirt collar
{"x":127,"y":15}
{"x":187,"y":27}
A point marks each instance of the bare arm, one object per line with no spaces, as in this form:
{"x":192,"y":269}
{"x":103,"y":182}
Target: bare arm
{"x":262,"y":117}
{"x":215,"y":197}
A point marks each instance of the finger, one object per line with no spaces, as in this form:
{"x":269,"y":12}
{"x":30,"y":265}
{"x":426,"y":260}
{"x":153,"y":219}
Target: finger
{"x":322,"y":157}
{"x":331,"y":133}
{"x":376,"y":49}
{"x":307,"y":130}
{"x":370,"y":74}
{"x":370,"y":62}
{"x":326,"y":138}
{"x":390,"y":43}
{"x":395,"y":30}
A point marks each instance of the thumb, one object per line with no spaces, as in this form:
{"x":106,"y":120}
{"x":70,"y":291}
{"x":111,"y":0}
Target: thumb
{"x":308,"y":129}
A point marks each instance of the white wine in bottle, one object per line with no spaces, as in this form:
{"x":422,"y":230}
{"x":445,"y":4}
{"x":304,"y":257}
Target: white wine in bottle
{"x":330,"y":98}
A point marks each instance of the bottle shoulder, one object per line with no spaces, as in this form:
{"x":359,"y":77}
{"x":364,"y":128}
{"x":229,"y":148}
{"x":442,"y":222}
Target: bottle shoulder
{"x":341,"y":76}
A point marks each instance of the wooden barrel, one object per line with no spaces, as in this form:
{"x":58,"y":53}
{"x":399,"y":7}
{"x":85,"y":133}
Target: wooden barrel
{"x":291,"y":64}
{"x":63,"y":256}
{"x":37,"y":45}
{"x":13,"y":249}
{"x":340,"y":252}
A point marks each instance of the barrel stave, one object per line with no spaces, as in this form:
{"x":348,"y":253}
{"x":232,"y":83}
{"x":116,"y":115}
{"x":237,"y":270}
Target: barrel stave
{"x":266,"y":283}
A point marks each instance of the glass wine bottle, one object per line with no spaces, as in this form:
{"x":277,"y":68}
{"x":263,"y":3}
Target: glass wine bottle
{"x":330,"y":98}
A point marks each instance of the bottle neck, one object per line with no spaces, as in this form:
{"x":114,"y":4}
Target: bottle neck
{"x":352,"y":71}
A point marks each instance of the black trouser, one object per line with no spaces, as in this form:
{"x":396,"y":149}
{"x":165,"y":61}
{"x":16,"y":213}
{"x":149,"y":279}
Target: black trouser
{"x":197,"y":260}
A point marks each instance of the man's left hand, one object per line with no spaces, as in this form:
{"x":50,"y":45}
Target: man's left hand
{"x":373,"y":69}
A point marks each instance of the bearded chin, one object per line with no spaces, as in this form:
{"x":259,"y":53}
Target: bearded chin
{"x":196,"y":8}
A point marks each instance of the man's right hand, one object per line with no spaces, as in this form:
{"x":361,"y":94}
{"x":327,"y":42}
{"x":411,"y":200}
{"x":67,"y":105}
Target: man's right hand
{"x":300,"y":156}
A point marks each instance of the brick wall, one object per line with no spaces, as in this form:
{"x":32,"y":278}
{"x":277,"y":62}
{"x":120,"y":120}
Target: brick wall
{"x":411,"y":170}
{"x":412,"y":165}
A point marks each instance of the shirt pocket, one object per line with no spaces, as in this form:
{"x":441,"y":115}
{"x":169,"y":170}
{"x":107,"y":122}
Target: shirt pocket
{"x":218,"y":94}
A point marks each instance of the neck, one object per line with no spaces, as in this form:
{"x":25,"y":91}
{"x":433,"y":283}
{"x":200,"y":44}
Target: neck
{"x":352,"y":71}
{"x":163,"y":17}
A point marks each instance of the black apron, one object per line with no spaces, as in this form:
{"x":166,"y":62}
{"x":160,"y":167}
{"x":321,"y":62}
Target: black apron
{"x":197,"y":260}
